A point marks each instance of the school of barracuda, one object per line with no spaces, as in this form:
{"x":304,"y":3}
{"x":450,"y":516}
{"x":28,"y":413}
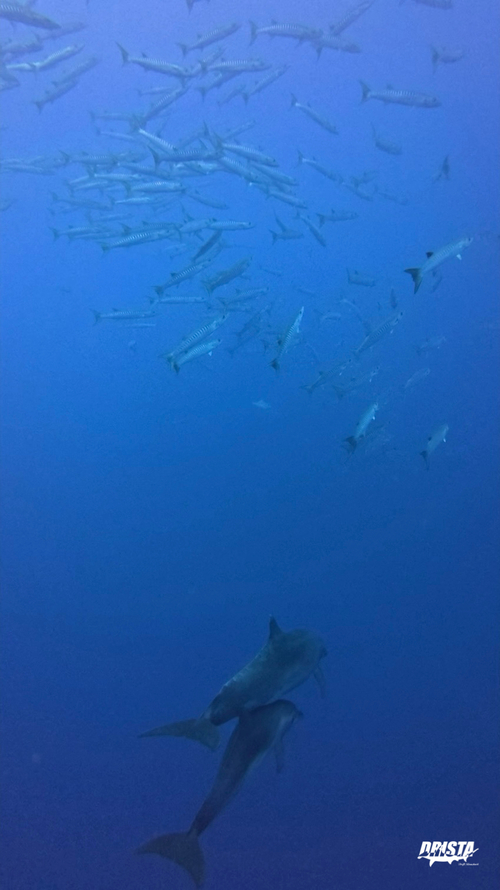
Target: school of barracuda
{"x":148,"y":186}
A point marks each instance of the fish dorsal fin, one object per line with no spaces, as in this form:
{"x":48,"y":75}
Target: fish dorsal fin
{"x":274,"y":628}
{"x":429,"y":253}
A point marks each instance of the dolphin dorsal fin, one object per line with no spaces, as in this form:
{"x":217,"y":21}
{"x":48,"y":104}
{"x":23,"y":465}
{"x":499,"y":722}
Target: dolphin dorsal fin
{"x":274,"y":628}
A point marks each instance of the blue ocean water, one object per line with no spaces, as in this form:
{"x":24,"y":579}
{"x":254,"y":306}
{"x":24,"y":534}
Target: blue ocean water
{"x":153,"y":521}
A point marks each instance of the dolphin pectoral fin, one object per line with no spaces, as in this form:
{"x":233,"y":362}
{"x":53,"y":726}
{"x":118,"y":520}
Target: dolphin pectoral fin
{"x":279,"y":753}
{"x":182,"y":848}
{"x":320,"y":680}
{"x":200,"y":730}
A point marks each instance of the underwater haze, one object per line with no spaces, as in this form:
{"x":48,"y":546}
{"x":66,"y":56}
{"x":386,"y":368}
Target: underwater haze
{"x":250,"y":368}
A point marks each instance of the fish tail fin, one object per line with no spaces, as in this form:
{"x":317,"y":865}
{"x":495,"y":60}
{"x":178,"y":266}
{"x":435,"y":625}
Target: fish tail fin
{"x":124,"y":52}
{"x":351,"y":443}
{"x":322,"y":219}
{"x":253,"y":31}
{"x":159,"y":289}
{"x":55,"y":233}
{"x":274,"y":236}
{"x":97,"y":316}
{"x":416,"y":276}
{"x":435,"y":58}
{"x":182,"y":848}
{"x":184,"y":49}
{"x":199,"y":729}
{"x":365,"y":91}
{"x":425,"y":455}
{"x":340,"y":393}
{"x":245,"y":96}
{"x":105,"y":248}
{"x":39,"y":104}
{"x":294,"y":101}
{"x":275,"y":364}
{"x":301,"y":157}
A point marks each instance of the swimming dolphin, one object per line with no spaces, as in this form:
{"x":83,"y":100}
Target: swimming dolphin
{"x":285,"y":662}
{"x":256,"y":733}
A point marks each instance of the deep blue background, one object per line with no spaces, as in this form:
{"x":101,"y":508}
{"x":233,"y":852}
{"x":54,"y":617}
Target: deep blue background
{"x":151,"y":523}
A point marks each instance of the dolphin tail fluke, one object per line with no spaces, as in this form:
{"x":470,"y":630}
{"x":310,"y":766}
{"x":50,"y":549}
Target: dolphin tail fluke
{"x":182,"y":848}
{"x":200,"y":730}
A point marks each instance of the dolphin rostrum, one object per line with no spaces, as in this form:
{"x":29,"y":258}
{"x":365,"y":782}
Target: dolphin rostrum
{"x":256,"y":733}
{"x":285,"y":662}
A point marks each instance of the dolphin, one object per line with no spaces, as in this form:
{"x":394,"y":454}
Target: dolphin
{"x":285,"y":662}
{"x":256,"y":732}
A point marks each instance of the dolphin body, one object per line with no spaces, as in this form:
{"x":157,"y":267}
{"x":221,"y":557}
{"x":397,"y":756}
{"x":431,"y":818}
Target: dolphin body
{"x":256,"y":733}
{"x":285,"y":662}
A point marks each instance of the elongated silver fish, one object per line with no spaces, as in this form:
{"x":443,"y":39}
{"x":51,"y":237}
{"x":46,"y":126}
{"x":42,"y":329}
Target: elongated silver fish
{"x":346,"y":387}
{"x":361,"y":427}
{"x":294,"y":32}
{"x":446,"y":56}
{"x":57,"y":57}
{"x":157,"y":65}
{"x":337,"y":216}
{"x":316,"y":165}
{"x":56,"y":93}
{"x":351,"y":16}
{"x":182,"y":275}
{"x":264,"y":82}
{"x":314,"y":116}
{"x":288,"y":338}
{"x":400,"y":97}
{"x":417,"y":377}
{"x":378,"y":332}
{"x":436,"y":257}
{"x":123,"y":314}
{"x":200,"y":333}
{"x":313,"y":229}
{"x":435,"y":439}
{"x":227,"y":275}
{"x":25,"y":15}
{"x":204,"y":40}
{"x":195,"y":352}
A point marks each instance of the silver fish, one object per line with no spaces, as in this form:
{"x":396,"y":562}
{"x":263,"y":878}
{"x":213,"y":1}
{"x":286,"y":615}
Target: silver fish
{"x":361,"y":427}
{"x":195,"y":352}
{"x":435,"y":439}
{"x":294,"y":32}
{"x":314,"y":116}
{"x":351,"y":16}
{"x":210,"y":37}
{"x":288,"y":338}
{"x":435,"y":258}
{"x":123,"y":314}
{"x":378,"y":332}
{"x":400,"y":97}
{"x":446,"y":56}
{"x":417,"y":377}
